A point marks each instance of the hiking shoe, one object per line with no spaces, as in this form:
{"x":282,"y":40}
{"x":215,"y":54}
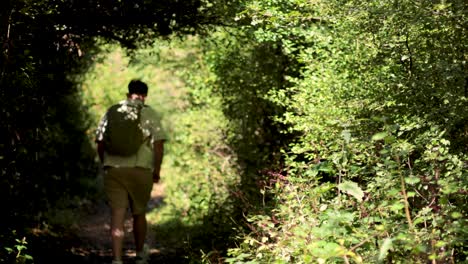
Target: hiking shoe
{"x":143,"y":256}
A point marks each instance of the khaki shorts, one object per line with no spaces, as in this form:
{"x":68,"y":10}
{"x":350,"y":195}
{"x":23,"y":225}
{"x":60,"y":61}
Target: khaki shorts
{"x":126,"y":187}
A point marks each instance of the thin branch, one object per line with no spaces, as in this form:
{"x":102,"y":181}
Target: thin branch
{"x":410,"y":55}
{"x":405,"y":196}
{"x":7,"y":44}
{"x":363,"y":242}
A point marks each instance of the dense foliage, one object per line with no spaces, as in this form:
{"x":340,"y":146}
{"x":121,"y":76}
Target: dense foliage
{"x":377,"y":168}
{"x":305,"y":131}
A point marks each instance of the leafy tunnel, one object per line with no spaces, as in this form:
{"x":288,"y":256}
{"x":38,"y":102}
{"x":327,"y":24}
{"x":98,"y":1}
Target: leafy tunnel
{"x":299,"y":131}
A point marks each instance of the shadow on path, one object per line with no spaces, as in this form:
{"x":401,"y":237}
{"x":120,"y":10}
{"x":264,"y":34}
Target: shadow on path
{"x":89,"y":241}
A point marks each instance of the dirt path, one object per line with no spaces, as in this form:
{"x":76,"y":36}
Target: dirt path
{"x":94,"y":231}
{"x":89,"y":240}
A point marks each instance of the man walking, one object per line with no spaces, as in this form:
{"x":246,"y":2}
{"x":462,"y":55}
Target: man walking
{"x":130,"y":144}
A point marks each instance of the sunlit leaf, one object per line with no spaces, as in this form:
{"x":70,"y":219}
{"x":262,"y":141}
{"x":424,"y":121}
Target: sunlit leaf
{"x":379,"y":136}
{"x":352,"y":189}
{"x":386,"y":246}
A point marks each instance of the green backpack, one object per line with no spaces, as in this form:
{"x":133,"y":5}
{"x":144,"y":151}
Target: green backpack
{"x":123,"y":135}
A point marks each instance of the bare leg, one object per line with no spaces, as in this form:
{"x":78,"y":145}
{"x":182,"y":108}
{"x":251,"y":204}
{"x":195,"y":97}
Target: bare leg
{"x":139,"y":231}
{"x":117,"y":231}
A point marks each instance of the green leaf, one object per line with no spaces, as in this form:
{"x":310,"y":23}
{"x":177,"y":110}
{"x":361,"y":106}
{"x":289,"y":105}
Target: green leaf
{"x":352,"y":189}
{"x":412,"y":180}
{"x":346,"y":134}
{"x":379,"y":136}
{"x":456,"y":215}
{"x":386,"y":246}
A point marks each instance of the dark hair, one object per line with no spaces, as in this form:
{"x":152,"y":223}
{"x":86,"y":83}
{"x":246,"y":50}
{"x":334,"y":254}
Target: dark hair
{"x":137,"y":87}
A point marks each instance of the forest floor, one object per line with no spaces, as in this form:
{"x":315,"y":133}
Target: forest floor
{"x":88,"y":239}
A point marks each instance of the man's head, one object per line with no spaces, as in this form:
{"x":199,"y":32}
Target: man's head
{"x":137,"y":90}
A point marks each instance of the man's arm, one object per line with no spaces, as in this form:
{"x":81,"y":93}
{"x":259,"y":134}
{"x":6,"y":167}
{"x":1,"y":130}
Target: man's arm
{"x":100,"y":137}
{"x":158,"y":148}
{"x":100,"y":150}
